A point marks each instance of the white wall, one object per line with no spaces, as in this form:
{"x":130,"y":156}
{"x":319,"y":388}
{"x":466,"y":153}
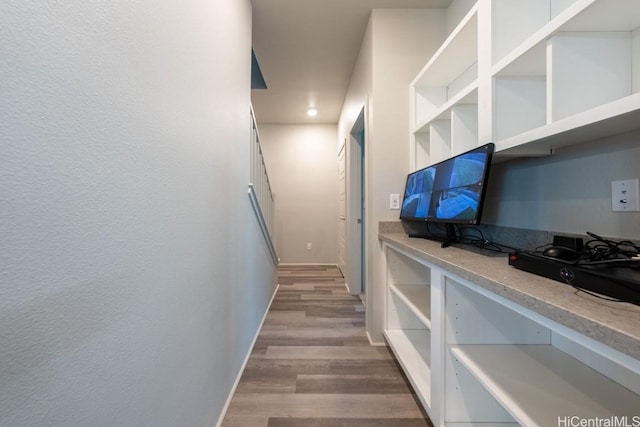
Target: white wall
{"x":303,"y":171}
{"x":568,"y":192}
{"x":398,"y":43}
{"x":126,"y":228}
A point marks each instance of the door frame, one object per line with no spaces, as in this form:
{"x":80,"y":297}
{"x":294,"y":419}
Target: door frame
{"x":355,"y":207}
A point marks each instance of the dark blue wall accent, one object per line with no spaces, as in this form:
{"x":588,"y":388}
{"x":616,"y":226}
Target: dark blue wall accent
{"x":257,"y":79}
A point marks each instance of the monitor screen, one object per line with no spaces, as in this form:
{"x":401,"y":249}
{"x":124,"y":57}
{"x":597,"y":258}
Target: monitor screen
{"x":451,"y":191}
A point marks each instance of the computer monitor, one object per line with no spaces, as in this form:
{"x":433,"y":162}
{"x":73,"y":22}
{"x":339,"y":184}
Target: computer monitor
{"x":450,"y":192}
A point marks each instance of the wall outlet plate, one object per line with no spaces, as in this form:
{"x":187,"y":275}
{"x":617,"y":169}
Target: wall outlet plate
{"x":394,"y":201}
{"x":625,"y":196}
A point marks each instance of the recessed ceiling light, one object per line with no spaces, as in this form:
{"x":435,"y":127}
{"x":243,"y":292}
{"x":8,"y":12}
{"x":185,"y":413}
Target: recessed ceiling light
{"x":312,"y":112}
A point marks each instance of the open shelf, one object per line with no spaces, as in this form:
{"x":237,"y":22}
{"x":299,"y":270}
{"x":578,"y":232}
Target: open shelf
{"x":520,"y":25}
{"x":567,"y":16}
{"x":475,"y":358}
{"x":450,"y":75}
{"x":514,"y":22}
{"x":412,"y":349}
{"x":515,"y":375}
{"x":467,"y":96}
{"x":464,"y":128}
{"x":418,"y":300}
{"x":421,"y":142}
{"x":574,"y":80}
{"x":456,"y":55}
{"x":587,"y":69}
{"x":449,"y":130}
{"x":440,"y":140}
{"x":545,"y":74}
{"x":407,"y":320}
{"x":483,"y":424}
{"x":520,"y":104}
{"x":604,"y":15}
{"x":616,"y":117}
{"x":405,"y":270}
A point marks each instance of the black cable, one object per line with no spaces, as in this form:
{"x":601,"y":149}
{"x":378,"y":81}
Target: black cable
{"x":605,"y":249}
{"x":480,"y":242}
{"x":593,"y":294}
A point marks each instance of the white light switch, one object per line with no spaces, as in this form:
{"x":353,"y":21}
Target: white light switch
{"x":625,"y":196}
{"x":394,"y":201}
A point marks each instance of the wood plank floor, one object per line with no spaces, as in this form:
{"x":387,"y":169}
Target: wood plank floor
{"x":312,"y":365}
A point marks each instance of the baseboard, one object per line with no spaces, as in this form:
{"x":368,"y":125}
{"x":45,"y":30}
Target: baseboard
{"x":375,"y":343}
{"x":300,"y":264}
{"x":244,"y":363}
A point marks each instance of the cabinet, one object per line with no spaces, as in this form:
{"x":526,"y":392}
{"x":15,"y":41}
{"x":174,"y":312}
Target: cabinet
{"x":477,"y":358}
{"x":530,"y":76}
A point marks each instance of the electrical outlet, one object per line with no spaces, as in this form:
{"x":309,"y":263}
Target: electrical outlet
{"x":625,"y":196}
{"x":309,"y":246}
{"x":394,"y":201}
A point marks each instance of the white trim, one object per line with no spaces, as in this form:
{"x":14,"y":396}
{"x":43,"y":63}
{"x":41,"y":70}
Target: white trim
{"x":263,"y":225}
{"x":375,"y":343}
{"x":244,"y":364}
{"x":298,"y":264}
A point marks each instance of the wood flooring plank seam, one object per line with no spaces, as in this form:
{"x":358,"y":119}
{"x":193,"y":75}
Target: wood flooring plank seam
{"x":313,"y":366}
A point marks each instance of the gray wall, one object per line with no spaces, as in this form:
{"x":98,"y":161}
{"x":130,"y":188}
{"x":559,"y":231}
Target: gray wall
{"x":125,"y":297}
{"x":397,"y":44}
{"x":303,"y":171}
{"x":569,"y":191}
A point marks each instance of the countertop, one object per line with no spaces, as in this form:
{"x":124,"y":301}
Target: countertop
{"x":615,"y":324}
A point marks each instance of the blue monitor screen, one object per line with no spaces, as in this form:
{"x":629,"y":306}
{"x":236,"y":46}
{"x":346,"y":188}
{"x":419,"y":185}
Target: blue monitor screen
{"x":449,"y":191}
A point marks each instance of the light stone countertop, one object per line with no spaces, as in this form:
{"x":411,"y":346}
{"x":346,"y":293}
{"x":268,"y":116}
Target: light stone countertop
{"x":612,"y":323}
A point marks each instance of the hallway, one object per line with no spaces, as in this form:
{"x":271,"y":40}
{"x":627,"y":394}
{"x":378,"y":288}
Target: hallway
{"x":312,"y":365}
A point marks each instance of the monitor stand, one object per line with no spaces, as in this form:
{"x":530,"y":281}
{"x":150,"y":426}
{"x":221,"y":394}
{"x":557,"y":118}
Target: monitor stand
{"x":449,"y":237}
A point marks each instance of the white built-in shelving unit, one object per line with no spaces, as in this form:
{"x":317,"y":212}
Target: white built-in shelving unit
{"x":476,"y":358}
{"x":445,"y":96}
{"x":530,"y":76}
{"x":408,"y":320}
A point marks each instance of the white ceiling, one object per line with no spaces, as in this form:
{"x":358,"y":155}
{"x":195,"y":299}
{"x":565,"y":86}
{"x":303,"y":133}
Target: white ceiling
{"x":307,"y":50}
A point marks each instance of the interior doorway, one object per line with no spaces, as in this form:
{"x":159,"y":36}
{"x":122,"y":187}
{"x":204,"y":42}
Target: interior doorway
{"x":356,"y":204}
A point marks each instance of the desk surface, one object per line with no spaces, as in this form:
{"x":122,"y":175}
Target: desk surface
{"x":612,"y":323}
